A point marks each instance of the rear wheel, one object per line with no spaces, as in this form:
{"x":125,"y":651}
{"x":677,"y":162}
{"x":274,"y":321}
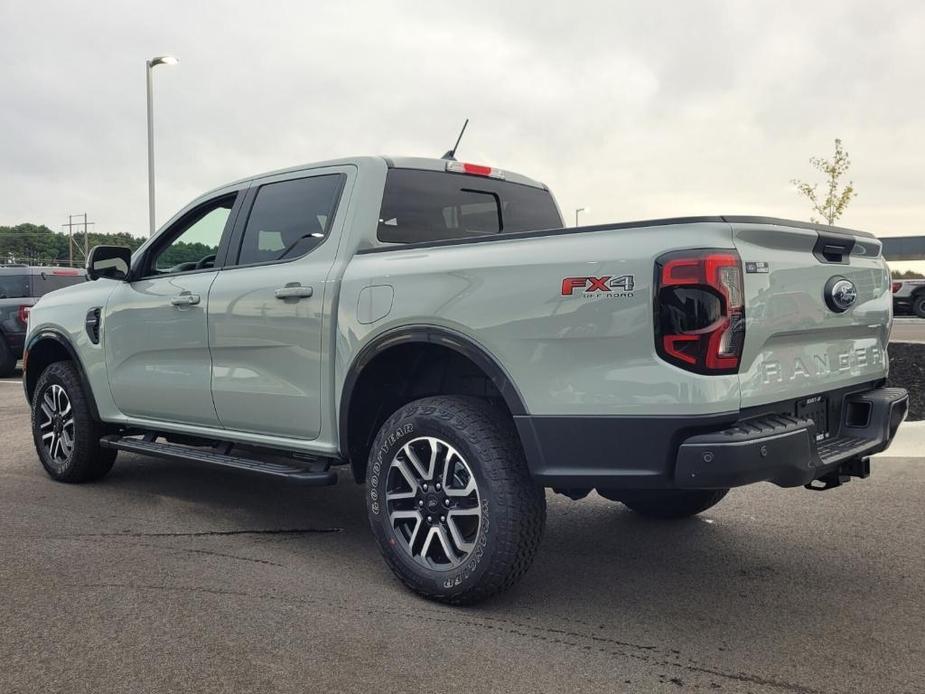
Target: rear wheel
{"x":450,"y":501}
{"x":666,"y":503}
{"x":918,"y":305}
{"x":65,"y":433}
{"x":7,"y":360}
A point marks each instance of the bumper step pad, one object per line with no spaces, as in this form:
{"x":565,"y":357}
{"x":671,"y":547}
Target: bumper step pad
{"x":211,"y":456}
{"x":782,"y":448}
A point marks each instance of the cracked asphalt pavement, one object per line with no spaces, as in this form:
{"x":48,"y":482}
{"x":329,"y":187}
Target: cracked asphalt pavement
{"x":168,"y":577}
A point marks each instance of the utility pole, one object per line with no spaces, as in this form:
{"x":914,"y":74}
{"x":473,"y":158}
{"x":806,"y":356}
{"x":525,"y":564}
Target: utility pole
{"x":86,"y":239}
{"x":70,"y":241}
{"x":85,"y":251}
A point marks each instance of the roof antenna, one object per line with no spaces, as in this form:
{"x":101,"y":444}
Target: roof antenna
{"x":451,"y":155}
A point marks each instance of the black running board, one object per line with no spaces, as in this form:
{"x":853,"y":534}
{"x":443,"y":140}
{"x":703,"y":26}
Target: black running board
{"x":173,"y":451}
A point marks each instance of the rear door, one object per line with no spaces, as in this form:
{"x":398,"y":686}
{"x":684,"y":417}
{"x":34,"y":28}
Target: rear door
{"x":266,"y":307}
{"x":800,"y":340}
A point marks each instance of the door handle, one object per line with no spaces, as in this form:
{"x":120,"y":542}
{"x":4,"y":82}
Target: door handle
{"x":293,"y":290}
{"x":185,"y":299}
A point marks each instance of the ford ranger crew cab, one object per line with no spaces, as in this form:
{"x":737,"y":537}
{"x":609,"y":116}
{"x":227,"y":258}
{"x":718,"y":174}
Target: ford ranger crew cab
{"x":432,"y":326}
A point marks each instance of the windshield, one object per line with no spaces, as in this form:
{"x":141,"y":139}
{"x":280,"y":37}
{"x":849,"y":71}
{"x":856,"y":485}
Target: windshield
{"x":13,"y":286}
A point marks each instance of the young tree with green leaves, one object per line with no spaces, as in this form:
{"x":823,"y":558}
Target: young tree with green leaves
{"x":836,"y":199}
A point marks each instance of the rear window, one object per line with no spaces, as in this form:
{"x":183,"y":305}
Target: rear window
{"x":56,"y":279}
{"x":13,"y":286}
{"x":433,"y":206}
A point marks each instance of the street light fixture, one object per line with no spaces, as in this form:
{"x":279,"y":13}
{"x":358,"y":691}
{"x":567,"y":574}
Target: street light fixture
{"x":580,"y":209}
{"x":150,"y":64}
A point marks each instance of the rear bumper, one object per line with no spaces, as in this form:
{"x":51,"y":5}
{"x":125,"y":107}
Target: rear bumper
{"x":726,"y":450}
{"x":783,"y":449}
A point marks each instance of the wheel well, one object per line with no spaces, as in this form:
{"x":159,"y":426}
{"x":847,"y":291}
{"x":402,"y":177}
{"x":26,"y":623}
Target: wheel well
{"x":403,"y":373}
{"x":44,"y":352}
{"x":47,"y":349}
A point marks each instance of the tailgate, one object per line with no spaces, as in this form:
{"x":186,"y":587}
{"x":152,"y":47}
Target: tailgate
{"x":798,"y":340}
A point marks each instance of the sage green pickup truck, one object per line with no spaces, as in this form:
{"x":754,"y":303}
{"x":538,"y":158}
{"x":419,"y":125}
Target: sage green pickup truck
{"x":431,"y":326}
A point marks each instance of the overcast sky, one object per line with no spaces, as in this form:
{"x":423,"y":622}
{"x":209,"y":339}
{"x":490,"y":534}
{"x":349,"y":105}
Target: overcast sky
{"x":634,"y":109}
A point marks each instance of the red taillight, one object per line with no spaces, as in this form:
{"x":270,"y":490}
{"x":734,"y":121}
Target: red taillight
{"x":896,"y":286}
{"x":700,"y":310}
{"x":24,"y":314}
{"x":473,"y":169}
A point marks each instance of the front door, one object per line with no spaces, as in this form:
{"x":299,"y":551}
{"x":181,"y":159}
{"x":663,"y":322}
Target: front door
{"x":155,"y":328}
{"x":267,"y":303}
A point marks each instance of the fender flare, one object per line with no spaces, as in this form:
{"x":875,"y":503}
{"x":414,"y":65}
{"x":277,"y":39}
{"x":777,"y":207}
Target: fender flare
{"x":444,"y":337}
{"x":64,"y":341}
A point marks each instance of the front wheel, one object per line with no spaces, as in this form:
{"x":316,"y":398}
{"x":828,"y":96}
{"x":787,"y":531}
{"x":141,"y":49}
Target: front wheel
{"x":666,"y":503}
{"x":450,"y":500}
{"x":65,"y":432}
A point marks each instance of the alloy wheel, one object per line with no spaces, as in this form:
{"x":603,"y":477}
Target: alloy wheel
{"x":57,"y":425}
{"x":433,"y":503}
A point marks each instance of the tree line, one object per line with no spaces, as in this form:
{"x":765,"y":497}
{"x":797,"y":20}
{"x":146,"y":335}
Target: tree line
{"x":36,"y":244}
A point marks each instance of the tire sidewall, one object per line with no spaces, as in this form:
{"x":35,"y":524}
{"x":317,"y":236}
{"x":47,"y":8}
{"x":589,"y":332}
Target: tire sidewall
{"x":54,"y":375}
{"x":918,"y":306}
{"x":398,"y":431}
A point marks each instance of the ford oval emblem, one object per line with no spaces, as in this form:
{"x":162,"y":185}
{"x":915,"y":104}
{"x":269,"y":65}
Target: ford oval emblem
{"x":840,"y":294}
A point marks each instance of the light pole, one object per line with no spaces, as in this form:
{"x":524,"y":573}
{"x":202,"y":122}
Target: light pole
{"x":580,"y":209}
{"x":150,"y":64}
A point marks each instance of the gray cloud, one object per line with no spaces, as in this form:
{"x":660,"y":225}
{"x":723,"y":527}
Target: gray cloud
{"x":634,"y":109}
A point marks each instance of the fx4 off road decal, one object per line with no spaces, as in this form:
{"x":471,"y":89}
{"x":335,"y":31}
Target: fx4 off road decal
{"x":606,"y":286}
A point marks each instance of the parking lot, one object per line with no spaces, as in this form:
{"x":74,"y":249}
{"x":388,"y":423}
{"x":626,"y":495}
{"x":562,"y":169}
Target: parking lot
{"x":170,"y":577}
{"x":908,"y":329}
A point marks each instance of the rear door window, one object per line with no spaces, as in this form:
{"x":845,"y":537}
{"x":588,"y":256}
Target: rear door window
{"x":432,"y":206}
{"x":290,"y":218}
{"x":13,"y":285}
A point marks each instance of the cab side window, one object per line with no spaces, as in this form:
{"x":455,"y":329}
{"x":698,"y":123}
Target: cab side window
{"x":290,"y":218}
{"x":193,"y":243}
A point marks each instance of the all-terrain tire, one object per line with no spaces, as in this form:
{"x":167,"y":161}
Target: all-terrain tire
{"x":666,"y":503}
{"x":61,"y":412}
{"x":512,"y":506}
{"x":918,"y":305}
{"x":7,"y":360}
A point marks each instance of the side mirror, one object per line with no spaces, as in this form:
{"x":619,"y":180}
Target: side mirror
{"x":112,"y":262}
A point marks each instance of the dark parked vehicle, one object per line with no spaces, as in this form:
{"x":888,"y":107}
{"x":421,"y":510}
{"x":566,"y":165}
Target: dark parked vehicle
{"x":909,"y":297}
{"x":20,"y":287}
